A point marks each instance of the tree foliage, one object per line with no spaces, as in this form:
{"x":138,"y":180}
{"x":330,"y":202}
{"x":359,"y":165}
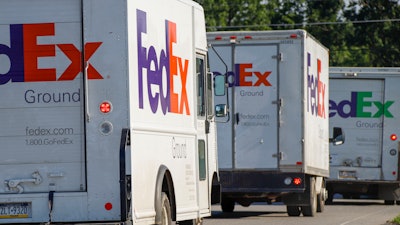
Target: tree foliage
{"x":357,"y":32}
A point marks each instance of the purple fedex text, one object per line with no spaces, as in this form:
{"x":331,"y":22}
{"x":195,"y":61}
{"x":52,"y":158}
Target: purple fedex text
{"x":315,"y":90}
{"x":158,"y":63}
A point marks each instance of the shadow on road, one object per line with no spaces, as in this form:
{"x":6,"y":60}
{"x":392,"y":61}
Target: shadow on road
{"x":279,"y":209}
{"x":356,"y":202}
{"x":241,"y":214}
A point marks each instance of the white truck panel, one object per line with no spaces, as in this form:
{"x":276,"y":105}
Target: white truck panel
{"x":154,"y":38}
{"x":316,"y":126}
{"x":291,"y":83}
{"x":256,"y":123}
{"x":42,"y":130}
{"x":110,"y":60}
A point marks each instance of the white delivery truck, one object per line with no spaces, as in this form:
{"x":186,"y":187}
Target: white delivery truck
{"x":364,"y":102}
{"x":106,"y":113}
{"x":275,"y":144}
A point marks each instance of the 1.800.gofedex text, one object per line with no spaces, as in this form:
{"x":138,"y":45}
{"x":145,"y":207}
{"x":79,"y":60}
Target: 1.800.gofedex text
{"x":48,"y":141}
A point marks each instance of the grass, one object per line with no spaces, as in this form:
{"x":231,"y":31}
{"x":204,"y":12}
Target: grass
{"x":396,"y":220}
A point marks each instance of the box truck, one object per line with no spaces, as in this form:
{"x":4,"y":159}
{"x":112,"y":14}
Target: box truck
{"x":107,"y":113}
{"x":364,"y":102}
{"x":274,"y":146}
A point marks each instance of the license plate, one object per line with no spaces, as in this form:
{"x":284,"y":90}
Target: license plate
{"x":15,"y":210}
{"x":347,"y":174}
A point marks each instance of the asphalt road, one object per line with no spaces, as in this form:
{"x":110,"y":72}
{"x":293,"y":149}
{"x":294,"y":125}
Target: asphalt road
{"x":341,"y":212}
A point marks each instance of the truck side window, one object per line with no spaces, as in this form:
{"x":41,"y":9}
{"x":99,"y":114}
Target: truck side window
{"x":219,"y":81}
{"x":200,"y":74}
{"x":202,"y":160}
{"x":210,"y":107}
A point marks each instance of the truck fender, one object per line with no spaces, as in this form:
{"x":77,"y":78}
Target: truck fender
{"x":164,"y":184}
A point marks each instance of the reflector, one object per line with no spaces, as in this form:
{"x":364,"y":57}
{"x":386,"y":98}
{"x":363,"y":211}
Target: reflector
{"x":108,"y":206}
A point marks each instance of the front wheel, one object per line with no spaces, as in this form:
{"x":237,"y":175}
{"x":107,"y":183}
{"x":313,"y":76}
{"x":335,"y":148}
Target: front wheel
{"x":165,"y":210}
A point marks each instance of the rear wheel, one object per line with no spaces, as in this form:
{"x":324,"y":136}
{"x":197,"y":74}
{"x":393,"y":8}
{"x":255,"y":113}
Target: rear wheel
{"x":310,"y":210}
{"x":293,"y":210}
{"x":191,"y":222}
{"x":165,"y":210}
{"x":321,"y":197}
{"x":227,"y":204}
{"x":389,"y":202}
{"x":321,"y":203}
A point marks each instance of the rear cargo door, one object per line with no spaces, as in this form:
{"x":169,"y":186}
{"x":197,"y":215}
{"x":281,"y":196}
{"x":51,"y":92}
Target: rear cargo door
{"x":42,"y":97}
{"x":358,"y":107}
{"x":255,"y":107}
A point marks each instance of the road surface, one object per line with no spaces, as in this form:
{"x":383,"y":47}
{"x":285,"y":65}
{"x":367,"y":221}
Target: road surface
{"x":341,"y":212}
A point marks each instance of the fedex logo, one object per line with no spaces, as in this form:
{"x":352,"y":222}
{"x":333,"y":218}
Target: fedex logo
{"x":245,"y":75}
{"x":315,"y":90}
{"x":358,"y":106}
{"x":161,"y":91}
{"x":24,"y":53}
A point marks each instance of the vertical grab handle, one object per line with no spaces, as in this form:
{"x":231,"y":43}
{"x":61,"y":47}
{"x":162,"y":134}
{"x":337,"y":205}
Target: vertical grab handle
{"x":86,"y":83}
{"x":237,"y":118}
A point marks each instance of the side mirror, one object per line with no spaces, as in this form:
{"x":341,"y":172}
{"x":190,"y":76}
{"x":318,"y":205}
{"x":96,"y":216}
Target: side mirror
{"x":221,"y":110}
{"x":338,"y":136}
{"x":219,"y":85}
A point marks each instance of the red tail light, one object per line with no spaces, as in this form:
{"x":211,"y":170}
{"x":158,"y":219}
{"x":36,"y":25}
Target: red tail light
{"x":105,"y":107}
{"x":297,"y":181}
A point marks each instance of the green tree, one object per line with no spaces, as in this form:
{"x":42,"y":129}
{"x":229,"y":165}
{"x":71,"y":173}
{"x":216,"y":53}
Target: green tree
{"x":236,"y":15}
{"x":325,"y":24}
{"x":289,"y":14}
{"x":361,"y":33}
{"x":374,"y":31}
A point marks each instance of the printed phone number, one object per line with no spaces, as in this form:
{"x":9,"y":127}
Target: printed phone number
{"x":48,"y":141}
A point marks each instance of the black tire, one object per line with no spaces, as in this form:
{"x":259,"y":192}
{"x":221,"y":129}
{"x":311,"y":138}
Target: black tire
{"x":320,"y":203}
{"x":293,"y":210}
{"x":165,"y":210}
{"x":227,"y":205}
{"x":329,"y":201}
{"x":311,"y":210}
{"x":190,"y":222}
{"x":331,"y":193}
{"x":389,"y":202}
{"x":187,"y":222}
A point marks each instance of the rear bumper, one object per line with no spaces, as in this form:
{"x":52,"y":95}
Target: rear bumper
{"x":259,"y":183}
{"x":387,"y":190}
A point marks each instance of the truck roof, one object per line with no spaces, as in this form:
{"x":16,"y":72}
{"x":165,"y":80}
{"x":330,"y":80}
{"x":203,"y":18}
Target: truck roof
{"x":259,"y":35}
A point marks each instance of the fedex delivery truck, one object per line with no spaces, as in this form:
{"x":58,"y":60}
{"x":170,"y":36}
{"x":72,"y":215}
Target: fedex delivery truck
{"x":364,"y":102}
{"x":106,"y":113}
{"x":274,"y":146}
